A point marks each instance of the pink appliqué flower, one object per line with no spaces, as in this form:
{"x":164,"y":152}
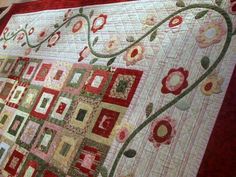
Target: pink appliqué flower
{"x":53,"y":40}
{"x":77,"y":26}
{"x":6,"y":29}
{"x":42,"y":35}
{"x":28,"y":51}
{"x":4,"y":46}
{"x":31,"y":31}
{"x":162,"y":131}
{"x":84,"y":53}
{"x":112,"y":44}
{"x":210,"y":33}
{"x":175,"y":81}
{"x":68,"y":15}
{"x":20,"y":36}
{"x":134,"y":54}
{"x":99,"y":22}
{"x":122,"y":134}
{"x":232,"y":7}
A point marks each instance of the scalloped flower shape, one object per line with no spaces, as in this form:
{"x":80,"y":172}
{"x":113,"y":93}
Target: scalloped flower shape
{"x":134,"y":54}
{"x":162,"y":131}
{"x":53,"y":40}
{"x":232,"y":7}
{"x":99,"y":22}
{"x":210,"y":33}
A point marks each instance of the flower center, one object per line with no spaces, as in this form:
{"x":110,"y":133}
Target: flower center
{"x":122,"y":135}
{"x":134,"y":53}
{"x":42,"y":34}
{"x":210,"y":33}
{"x":99,"y":21}
{"x":208,"y":86}
{"x":162,"y":131}
{"x":234,"y":8}
{"x":175,"y":80}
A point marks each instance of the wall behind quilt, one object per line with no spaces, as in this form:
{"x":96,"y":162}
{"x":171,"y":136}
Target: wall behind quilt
{"x":90,"y":77}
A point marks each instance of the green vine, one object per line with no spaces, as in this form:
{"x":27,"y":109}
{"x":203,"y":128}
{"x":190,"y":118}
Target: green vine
{"x":150,"y":32}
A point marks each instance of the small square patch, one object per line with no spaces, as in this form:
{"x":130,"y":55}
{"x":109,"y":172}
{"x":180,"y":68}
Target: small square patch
{"x":6,"y":117}
{"x":7,"y":67}
{"x":7,"y":88}
{"x":19,"y":68}
{"x":122,"y":87}
{"x":42,"y":73}
{"x":44,"y":103}
{"x":30,"y":70}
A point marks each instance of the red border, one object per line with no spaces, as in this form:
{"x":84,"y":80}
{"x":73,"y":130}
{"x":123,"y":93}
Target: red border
{"x":122,"y":102}
{"x":44,"y":116}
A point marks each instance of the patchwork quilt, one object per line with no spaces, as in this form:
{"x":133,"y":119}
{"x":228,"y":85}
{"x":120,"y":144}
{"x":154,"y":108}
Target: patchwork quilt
{"x":128,"y":89}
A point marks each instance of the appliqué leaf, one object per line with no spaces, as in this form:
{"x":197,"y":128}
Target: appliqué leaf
{"x":219,"y":2}
{"x":1,"y":39}
{"x":23,"y":44}
{"x":180,"y":3}
{"x":111,"y":61}
{"x":81,"y":10}
{"x":56,"y":25}
{"x":95,"y":40}
{"x":104,"y":171}
{"x":91,"y":13}
{"x":205,"y":62}
{"x":130,"y":39}
{"x":130,"y":153}
{"x":201,"y":14}
{"x":93,"y":61}
{"x":37,"y":49}
{"x":68,"y":24}
{"x":153,"y":35}
{"x":182,"y":105}
{"x":149,"y":109}
{"x":26,"y":26}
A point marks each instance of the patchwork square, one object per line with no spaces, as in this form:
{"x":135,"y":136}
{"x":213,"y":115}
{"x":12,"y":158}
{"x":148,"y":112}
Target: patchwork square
{"x":7,"y":67}
{"x":30,"y":70}
{"x":107,"y":118}
{"x":81,"y":114}
{"x":29,"y":98}
{"x":44,"y":103}
{"x":122,"y":87}
{"x":29,"y":133}
{"x":6,"y":117}
{"x":46,"y":141}
{"x":5,"y":148}
{"x":16,"y":125}
{"x":66,"y":150}
{"x":97,"y":83}
{"x":19,"y":67}
{"x":89,"y":159}
{"x":17,"y":94}
{"x":7,"y":88}
{"x":77,"y":78}
{"x":42,"y":73}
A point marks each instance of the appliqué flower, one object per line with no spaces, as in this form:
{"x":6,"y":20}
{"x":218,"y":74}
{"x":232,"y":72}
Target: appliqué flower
{"x":134,"y":54}
{"x":77,"y":26}
{"x":5,"y":30}
{"x":84,"y":53}
{"x":162,"y":131}
{"x":112,"y":44}
{"x":175,"y":21}
{"x":42,"y":35}
{"x":31,"y":31}
{"x":212,"y":85}
{"x":175,"y":81}
{"x":99,"y":22}
{"x":122,"y":134}
{"x":68,"y":15}
{"x":4,"y":46}
{"x":53,"y":40}
{"x":210,"y":33}
{"x":28,"y":51}
{"x":151,"y":20}
{"x":20,"y":36}
{"x":232,"y":7}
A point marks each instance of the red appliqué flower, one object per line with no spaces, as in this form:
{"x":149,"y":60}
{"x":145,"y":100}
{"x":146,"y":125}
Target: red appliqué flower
{"x":232,"y":7}
{"x":5,"y":30}
{"x":122,"y":135}
{"x":53,"y":40}
{"x":68,"y":15}
{"x":99,"y":22}
{"x":31,"y":31}
{"x":84,"y":53}
{"x":162,"y":131}
{"x":77,"y":26}
{"x":175,"y":21}
{"x":175,"y":81}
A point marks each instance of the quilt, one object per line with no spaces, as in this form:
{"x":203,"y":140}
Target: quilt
{"x":128,"y":89}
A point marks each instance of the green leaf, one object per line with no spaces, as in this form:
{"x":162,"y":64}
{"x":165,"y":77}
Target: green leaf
{"x":219,"y":2}
{"x":37,"y":49}
{"x":130,"y":39}
{"x":93,"y":61}
{"x":153,"y":35}
{"x":201,"y":14}
{"x":26,"y":26}
{"x":111,"y":61}
{"x":91,"y":13}
{"x":68,"y":24}
{"x":149,"y":109}
{"x":23,"y":44}
{"x":81,"y":10}
{"x":205,"y":62}
{"x":1,"y":39}
{"x":95,"y":40}
{"x":56,"y":25}
{"x":130,"y":153}
{"x":182,"y":105}
{"x":180,"y":3}
{"x":104,"y":171}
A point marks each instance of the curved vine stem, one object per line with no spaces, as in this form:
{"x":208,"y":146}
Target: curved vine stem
{"x":189,"y":89}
